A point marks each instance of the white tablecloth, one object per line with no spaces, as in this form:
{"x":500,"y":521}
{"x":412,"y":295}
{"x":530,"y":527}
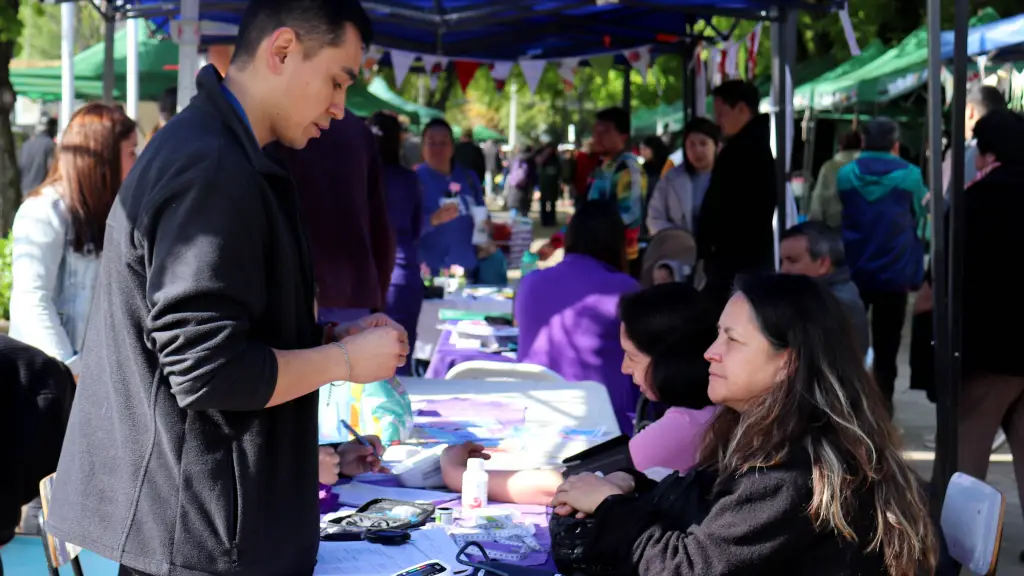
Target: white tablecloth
{"x":578,"y":405}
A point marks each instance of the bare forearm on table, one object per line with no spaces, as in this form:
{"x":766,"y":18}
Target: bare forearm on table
{"x":513,"y":486}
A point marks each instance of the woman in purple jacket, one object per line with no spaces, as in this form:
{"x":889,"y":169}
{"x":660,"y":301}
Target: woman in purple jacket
{"x":404,"y":201}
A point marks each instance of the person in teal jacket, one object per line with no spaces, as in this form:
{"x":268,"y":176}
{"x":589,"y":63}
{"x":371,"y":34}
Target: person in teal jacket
{"x":883,"y":225}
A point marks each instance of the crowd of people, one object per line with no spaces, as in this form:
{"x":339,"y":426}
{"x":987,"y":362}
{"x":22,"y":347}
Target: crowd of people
{"x":184,"y":313}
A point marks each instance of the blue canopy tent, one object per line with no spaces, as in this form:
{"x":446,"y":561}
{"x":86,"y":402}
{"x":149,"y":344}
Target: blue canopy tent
{"x":1004,"y":39}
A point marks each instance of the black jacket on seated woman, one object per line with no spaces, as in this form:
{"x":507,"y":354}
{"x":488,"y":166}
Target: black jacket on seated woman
{"x":800,"y":471}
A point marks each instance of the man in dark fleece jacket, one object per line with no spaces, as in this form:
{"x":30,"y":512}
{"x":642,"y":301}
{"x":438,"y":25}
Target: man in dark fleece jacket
{"x":815,"y":249}
{"x":734,"y":229}
{"x":884,"y":214}
{"x":192,"y":444}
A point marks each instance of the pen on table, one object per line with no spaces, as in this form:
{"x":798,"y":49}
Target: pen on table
{"x":359,"y":438}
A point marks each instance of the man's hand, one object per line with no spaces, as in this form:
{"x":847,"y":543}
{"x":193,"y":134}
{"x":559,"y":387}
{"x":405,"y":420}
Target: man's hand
{"x":445,"y":214}
{"x":330,"y":466}
{"x":624,"y":481}
{"x":343,"y":331}
{"x":375,"y":353}
{"x":357,"y":459}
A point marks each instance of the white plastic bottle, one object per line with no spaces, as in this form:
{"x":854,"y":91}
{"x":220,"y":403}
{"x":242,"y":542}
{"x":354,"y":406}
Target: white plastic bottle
{"x":474,"y":487}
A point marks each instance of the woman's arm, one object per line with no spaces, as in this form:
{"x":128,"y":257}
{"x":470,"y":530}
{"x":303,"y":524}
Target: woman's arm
{"x":513,"y":487}
{"x":762,"y":519}
{"x":657,"y":207}
{"x":40,"y":238}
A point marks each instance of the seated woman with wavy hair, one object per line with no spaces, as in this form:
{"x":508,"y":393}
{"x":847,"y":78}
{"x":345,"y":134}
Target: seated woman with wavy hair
{"x":800,"y":472}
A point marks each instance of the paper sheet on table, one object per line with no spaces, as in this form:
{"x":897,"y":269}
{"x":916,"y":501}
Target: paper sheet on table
{"x":365,"y":559}
{"x":356,"y":494}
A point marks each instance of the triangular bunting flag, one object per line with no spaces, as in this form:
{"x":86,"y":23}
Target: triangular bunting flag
{"x":732,"y":59}
{"x":401,"y":61}
{"x":700,"y":79}
{"x":601,"y":64}
{"x":753,"y":43}
{"x":433,"y":63}
{"x":532,"y":71}
{"x":567,"y":70}
{"x":372,"y":56}
{"x":639,"y":59}
{"x":465,"y":70}
{"x":499,"y":72}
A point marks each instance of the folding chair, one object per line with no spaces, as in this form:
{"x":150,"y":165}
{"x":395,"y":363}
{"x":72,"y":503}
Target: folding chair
{"x":972,"y":521}
{"x":58,"y":553}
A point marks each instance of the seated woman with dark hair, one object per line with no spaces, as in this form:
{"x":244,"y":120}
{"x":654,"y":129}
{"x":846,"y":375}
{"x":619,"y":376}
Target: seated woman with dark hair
{"x":800,"y":471}
{"x":665,"y":330}
{"x":568,"y":314}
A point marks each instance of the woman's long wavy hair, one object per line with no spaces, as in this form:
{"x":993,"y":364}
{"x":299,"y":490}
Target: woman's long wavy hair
{"x":87,"y":170}
{"x":831,"y":407}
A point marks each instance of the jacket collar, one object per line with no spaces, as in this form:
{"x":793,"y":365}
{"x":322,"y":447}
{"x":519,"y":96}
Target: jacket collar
{"x":210,"y":94}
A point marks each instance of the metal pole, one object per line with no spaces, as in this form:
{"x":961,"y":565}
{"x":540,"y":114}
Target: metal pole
{"x":627,"y":89}
{"x":188,"y":52}
{"x":513,"y":113}
{"x":132,"y":69}
{"x":945,"y":416}
{"x":689,"y":99}
{"x":108,"y":52}
{"x":783,"y":36}
{"x":68,"y":18}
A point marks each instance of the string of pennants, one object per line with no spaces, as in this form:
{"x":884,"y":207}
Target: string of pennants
{"x":712,"y":64}
{"x":532,"y":68}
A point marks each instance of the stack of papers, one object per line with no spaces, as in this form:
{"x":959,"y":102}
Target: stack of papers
{"x":356,"y":494}
{"x":365,"y":559}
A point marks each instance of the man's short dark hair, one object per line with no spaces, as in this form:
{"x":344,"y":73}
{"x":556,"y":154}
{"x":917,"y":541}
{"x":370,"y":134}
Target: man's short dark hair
{"x":822,"y":240}
{"x":617,"y":117}
{"x":317,"y":23}
{"x":880,"y":134}
{"x":850,"y":141}
{"x":986,"y":98}
{"x":998,"y":133}
{"x":736,"y":92}
{"x":168,"y":104}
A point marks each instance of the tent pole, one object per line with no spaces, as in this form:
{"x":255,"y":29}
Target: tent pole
{"x":132,"y":69}
{"x":945,"y":416}
{"x":783,"y":36}
{"x":188,"y":52}
{"x":68,"y":17}
{"x":627,"y":89}
{"x":108,"y":52}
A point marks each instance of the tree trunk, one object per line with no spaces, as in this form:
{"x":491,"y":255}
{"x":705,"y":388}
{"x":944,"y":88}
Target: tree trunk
{"x":440,"y":100}
{"x":10,"y":179}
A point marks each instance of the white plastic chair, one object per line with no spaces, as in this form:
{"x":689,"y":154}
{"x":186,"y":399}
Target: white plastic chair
{"x":972,"y":520}
{"x":487,"y":370}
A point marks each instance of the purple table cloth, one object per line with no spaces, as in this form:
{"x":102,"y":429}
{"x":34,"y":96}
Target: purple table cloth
{"x":446,"y":356}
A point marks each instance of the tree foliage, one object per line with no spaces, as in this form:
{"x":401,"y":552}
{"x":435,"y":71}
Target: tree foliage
{"x":553,"y":107}
{"x":41,"y":23}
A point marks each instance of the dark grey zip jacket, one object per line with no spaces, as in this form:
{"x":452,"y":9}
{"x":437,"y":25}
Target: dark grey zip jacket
{"x":171,"y":464}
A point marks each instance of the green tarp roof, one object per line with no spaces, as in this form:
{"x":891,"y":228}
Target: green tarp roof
{"x":379,"y":88}
{"x":892,"y":74}
{"x":803,"y":93}
{"x":158,"y":70}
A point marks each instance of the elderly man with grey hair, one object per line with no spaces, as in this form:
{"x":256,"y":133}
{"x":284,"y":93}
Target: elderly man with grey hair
{"x":883,"y":227}
{"x":815,"y":249}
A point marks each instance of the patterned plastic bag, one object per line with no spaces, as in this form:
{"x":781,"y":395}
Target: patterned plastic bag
{"x":379,"y":408}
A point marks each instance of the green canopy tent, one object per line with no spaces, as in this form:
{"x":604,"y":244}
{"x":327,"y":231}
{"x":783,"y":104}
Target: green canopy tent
{"x":803,"y":93}
{"x":378,"y":87}
{"x":158,"y":70}
{"x":898,"y":71}
{"x":480,"y":133}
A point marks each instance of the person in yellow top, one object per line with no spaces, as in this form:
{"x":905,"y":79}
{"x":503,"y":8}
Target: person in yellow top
{"x":825,"y":205}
